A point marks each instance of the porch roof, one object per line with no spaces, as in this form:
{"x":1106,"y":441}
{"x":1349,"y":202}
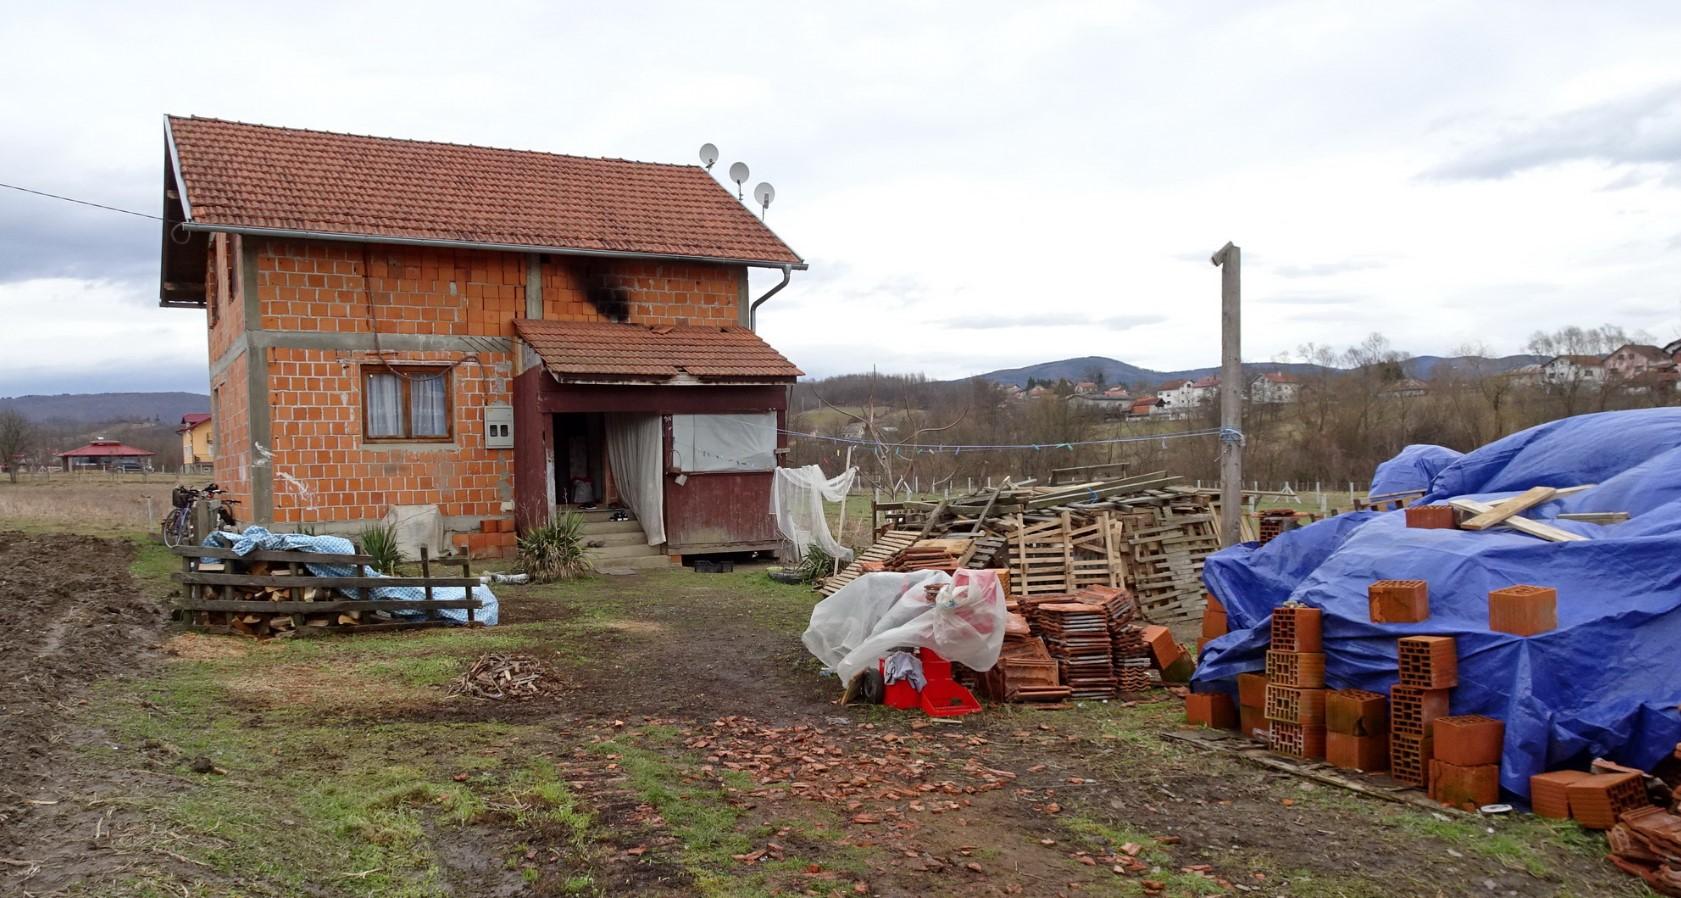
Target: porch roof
{"x":606,"y":350}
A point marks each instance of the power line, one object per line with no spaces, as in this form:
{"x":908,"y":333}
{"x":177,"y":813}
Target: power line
{"x":1224,"y":433}
{"x":71,"y":199}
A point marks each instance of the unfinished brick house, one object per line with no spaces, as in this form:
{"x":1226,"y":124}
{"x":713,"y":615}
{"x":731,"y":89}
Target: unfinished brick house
{"x":411,"y":330}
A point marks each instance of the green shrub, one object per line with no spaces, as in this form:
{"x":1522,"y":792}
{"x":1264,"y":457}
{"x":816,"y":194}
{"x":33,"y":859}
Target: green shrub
{"x":816,"y":565}
{"x":554,"y":551}
{"x":380,"y":541}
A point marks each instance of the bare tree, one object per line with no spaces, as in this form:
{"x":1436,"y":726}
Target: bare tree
{"x":17,"y":437}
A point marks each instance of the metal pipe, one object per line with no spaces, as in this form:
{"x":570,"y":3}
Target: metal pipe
{"x":753,"y":310}
{"x":473,"y":244}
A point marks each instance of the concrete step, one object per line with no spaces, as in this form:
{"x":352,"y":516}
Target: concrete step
{"x":633,"y":551}
{"x":593,"y":515}
{"x":612,"y":527}
{"x":636,"y":563}
{"x":617,"y":538}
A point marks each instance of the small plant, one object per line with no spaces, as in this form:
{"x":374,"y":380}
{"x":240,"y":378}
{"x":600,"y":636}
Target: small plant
{"x":816,"y":565}
{"x":554,"y":551}
{"x":380,"y":542}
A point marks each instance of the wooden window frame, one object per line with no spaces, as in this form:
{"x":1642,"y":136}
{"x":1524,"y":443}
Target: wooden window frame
{"x":369,"y":370}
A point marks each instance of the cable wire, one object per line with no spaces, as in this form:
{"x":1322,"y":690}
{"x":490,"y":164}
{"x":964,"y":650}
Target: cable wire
{"x":71,"y":199}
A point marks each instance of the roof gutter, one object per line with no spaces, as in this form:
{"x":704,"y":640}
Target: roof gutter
{"x":753,"y":310}
{"x":474,"y":244}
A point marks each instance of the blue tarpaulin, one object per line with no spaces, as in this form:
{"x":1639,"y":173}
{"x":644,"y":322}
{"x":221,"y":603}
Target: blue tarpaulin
{"x":1605,"y":683}
{"x":255,"y":538}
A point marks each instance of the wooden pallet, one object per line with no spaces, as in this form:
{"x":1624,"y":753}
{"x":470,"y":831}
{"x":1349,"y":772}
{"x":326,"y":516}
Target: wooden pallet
{"x":886,"y":546}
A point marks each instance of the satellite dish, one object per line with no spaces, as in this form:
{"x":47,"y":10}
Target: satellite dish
{"x":738,"y":174}
{"x":708,"y":155}
{"x":764,"y":193}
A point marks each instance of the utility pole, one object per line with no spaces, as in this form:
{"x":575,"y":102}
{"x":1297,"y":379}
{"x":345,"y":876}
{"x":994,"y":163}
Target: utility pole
{"x":1229,"y":259}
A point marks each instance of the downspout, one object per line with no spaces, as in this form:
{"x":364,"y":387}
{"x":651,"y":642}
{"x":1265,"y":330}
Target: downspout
{"x":753,"y":310}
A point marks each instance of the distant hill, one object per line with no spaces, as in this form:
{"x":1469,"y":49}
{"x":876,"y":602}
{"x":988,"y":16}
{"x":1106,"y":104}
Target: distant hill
{"x":99,"y":408}
{"x":1117,"y":372}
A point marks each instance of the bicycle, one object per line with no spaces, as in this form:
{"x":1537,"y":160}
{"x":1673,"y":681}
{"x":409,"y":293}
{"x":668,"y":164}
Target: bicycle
{"x":177,"y":525}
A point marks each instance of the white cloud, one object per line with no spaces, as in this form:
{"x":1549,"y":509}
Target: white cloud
{"x":1069,"y":163}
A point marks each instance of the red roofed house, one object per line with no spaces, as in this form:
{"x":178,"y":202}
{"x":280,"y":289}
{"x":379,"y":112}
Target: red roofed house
{"x":104,"y":453}
{"x":489,"y":333}
{"x":1274,"y":386}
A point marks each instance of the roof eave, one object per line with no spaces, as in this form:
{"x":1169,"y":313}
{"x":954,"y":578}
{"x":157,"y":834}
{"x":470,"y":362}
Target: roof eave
{"x":304,"y":234}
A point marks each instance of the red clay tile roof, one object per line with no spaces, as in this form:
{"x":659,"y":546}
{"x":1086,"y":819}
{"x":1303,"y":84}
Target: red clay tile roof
{"x":105,"y":449}
{"x":257,"y":176}
{"x":572,"y":349}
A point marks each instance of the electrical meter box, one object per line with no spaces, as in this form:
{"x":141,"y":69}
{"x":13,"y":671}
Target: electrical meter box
{"x":499,"y":427}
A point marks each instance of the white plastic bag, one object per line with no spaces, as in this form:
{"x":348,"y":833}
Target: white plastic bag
{"x":854,"y":628}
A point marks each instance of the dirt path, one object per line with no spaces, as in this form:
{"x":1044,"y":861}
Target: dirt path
{"x":70,"y":617}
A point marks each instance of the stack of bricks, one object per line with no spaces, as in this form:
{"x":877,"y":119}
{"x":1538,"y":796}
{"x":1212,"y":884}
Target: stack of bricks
{"x":1599,"y":800}
{"x":1357,"y":730}
{"x":1214,"y":623}
{"x":1295,"y":689}
{"x":1429,"y":669}
{"x":1275,"y":522}
{"x":1523,"y":610}
{"x":1252,"y":707}
{"x":1465,"y":770}
{"x":496,"y":539}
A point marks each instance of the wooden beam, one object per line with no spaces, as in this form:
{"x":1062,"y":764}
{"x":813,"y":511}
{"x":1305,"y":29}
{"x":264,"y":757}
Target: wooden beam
{"x":262,"y":607}
{"x":1522,"y":525}
{"x":287,"y":582}
{"x":1595,"y":517}
{"x":1512,"y":507}
{"x":283,"y":557}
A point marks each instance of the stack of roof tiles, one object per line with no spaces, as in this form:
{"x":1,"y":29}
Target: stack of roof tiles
{"x":1646,"y":842}
{"x":1077,"y":635}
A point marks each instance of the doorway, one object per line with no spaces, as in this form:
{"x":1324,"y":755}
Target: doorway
{"x":580,"y":460}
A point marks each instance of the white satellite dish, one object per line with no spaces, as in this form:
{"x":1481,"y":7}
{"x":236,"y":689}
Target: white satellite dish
{"x":764,"y":193}
{"x":708,"y":155}
{"x":738,"y":174}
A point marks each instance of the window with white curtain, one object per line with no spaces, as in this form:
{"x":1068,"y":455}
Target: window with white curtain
{"x":405,"y":402}
{"x":728,"y":442}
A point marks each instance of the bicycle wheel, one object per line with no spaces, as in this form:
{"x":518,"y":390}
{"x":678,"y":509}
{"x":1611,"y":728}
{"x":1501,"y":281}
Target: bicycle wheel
{"x":175,"y":528}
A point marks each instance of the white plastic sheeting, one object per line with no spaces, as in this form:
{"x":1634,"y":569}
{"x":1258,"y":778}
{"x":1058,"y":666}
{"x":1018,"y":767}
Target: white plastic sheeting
{"x":634,"y":447}
{"x":416,"y":526}
{"x":733,"y":442}
{"x":857,"y":626}
{"x":796,"y":499}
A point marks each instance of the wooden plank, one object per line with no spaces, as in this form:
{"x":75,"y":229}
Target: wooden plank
{"x":275,"y":556}
{"x":1522,"y":525}
{"x":334,"y":606}
{"x":323,"y":582}
{"x":1595,"y":517}
{"x":1522,"y":502}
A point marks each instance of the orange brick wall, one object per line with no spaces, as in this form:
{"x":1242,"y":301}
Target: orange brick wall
{"x":660,"y":292}
{"x":231,"y":415}
{"x":323,"y":471}
{"x":221,"y":288}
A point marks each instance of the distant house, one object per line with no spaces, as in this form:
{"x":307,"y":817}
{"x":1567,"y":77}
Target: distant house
{"x":1530,"y":375}
{"x":1569,"y":369}
{"x":1275,"y":387}
{"x":1117,"y":393}
{"x":1040,"y":391}
{"x":1633,"y":359}
{"x":1146,"y":406}
{"x":105,"y":454}
{"x":1205,"y":390}
{"x":197,"y":439}
{"x":1110,"y":406}
{"x":1085,"y":388}
{"x":1405,"y":388}
{"x":1652,"y":380}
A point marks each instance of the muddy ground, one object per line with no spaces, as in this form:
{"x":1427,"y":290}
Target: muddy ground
{"x":687,"y":745}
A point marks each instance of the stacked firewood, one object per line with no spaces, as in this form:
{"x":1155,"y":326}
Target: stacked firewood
{"x":258,"y":623}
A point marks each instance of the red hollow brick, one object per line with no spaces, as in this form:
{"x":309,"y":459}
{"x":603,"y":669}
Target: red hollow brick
{"x":1163,"y":648}
{"x":1296,"y":628}
{"x":1549,"y":795}
{"x":1297,"y":739}
{"x":1429,"y":662}
{"x":1409,"y":758}
{"x":1469,"y":740}
{"x":1213,"y":624}
{"x":1523,"y":610}
{"x":1432,"y":517}
{"x":1597,"y":801}
{"x":1412,"y":710}
{"x":1211,"y":709}
{"x":1467,"y":788}
{"x":1366,"y":753}
{"x":1399,"y":601}
{"x":1303,"y":669}
{"x":1296,"y":705}
{"x":1252,"y":690}
{"x":1213,"y":603}
{"x":1356,"y":712}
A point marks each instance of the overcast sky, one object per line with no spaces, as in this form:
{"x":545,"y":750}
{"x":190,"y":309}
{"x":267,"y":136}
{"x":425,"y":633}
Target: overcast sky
{"x":975,"y":185}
